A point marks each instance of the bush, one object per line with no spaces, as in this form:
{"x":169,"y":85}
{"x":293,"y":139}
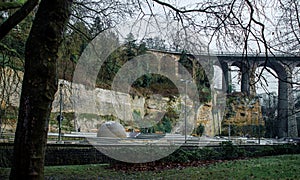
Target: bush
{"x":227,"y":151}
{"x":180,"y":155}
{"x":200,"y":130}
{"x":209,"y":154}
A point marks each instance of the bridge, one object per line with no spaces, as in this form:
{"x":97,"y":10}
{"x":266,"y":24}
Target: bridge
{"x":283,"y":66}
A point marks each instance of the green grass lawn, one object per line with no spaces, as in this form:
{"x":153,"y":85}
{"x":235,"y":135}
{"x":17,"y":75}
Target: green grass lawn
{"x":273,"y":167}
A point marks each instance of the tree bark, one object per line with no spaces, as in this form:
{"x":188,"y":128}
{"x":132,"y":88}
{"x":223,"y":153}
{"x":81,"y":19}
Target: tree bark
{"x":38,"y":88}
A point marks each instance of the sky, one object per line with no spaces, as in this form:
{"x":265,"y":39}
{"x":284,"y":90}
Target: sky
{"x":261,"y":86}
{"x":165,"y":28}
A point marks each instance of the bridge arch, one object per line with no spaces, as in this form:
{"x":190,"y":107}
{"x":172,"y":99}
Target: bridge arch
{"x":282,"y":65}
{"x":245,"y":76}
{"x":283,"y":98}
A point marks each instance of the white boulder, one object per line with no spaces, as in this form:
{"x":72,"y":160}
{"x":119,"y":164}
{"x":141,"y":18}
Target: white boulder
{"x":111,"y":129}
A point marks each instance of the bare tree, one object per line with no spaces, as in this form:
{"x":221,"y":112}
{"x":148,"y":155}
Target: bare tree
{"x":286,"y":35}
{"x":40,"y":78}
{"x":238,"y":26}
{"x":235,"y":26}
{"x":10,"y":84}
{"x":38,"y":89}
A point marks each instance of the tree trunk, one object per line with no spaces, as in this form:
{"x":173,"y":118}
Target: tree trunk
{"x":38,"y":88}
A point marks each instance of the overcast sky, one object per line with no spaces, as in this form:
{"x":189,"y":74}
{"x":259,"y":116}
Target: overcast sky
{"x":165,"y":28}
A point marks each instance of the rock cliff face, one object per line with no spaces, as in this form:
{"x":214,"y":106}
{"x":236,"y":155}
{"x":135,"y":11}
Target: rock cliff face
{"x":205,"y":118}
{"x":92,"y":107}
{"x":243,"y":113}
{"x":243,"y":110}
{"x":10,"y":87}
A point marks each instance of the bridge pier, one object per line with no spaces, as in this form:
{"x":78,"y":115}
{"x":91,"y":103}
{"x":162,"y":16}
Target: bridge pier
{"x":286,"y":119}
{"x":226,"y":87}
{"x":245,"y":82}
{"x":286,"y":123}
{"x":292,"y":122}
{"x":282,"y":109}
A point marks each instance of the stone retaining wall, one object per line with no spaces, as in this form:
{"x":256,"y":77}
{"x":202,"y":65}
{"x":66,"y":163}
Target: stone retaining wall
{"x":60,"y":154}
{"x":76,"y":154}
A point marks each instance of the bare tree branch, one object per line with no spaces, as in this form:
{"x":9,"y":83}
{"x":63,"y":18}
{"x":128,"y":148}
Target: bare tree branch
{"x":17,"y":17}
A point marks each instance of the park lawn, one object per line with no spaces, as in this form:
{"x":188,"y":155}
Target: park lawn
{"x":272,"y":167}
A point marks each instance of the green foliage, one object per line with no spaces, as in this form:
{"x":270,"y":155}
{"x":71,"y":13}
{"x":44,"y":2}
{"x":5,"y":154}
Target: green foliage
{"x":209,"y":154}
{"x":230,"y":151}
{"x":227,"y":151}
{"x":278,"y":150}
{"x":21,"y":1}
{"x":117,"y":59}
{"x":150,"y":83}
{"x":230,"y":101}
{"x":67,"y":125}
{"x":164,"y":126}
{"x":155,"y":43}
{"x":11,"y":5}
{"x":143,"y":81}
{"x":270,"y":126}
{"x":88,"y":116}
{"x":180,"y":155}
{"x":12,"y":46}
{"x":199,"y":75}
{"x":184,"y":158}
{"x":155,"y":84}
{"x":73,"y":45}
{"x":167,"y":124}
{"x":169,"y":119}
{"x":200,"y":130}
{"x":136,"y":115}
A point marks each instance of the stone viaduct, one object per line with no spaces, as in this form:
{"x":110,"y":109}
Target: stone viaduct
{"x":283,"y":66}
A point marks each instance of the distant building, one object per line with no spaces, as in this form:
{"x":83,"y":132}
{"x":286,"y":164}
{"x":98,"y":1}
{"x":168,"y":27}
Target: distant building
{"x":297,"y":106}
{"x":268,"y":100}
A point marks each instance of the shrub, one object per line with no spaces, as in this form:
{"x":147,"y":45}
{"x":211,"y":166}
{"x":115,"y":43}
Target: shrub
{"x":200,"y":130}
